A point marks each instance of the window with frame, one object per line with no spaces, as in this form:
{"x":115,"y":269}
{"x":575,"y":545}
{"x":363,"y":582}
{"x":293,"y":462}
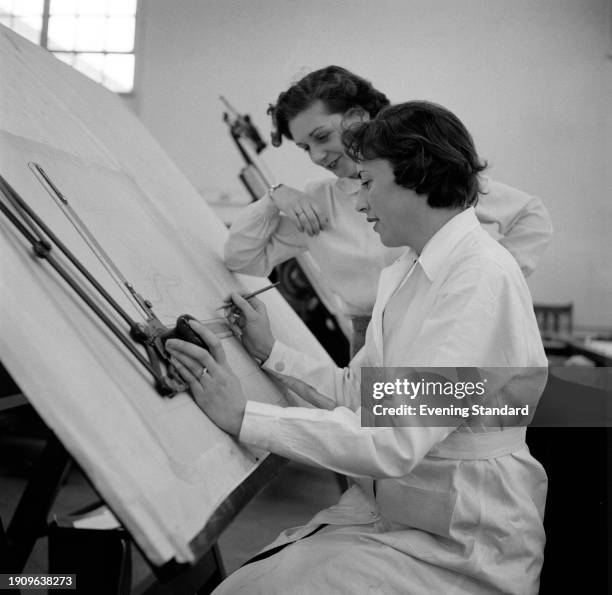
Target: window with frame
{"x":94,"y":36}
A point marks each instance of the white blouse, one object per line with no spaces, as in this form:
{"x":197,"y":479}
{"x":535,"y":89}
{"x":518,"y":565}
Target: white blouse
{"x":349,"y":253}
{"x":468,"y":500}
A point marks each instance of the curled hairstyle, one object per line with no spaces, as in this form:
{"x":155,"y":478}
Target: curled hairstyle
{"x":338,"y":89}
{"x":429,"y":149}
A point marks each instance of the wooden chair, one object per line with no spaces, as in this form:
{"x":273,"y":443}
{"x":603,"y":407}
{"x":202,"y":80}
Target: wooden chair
{"x":555,"y":321}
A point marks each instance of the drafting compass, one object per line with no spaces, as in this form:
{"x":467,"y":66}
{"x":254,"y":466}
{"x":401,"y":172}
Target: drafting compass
{"x":152,"y":334}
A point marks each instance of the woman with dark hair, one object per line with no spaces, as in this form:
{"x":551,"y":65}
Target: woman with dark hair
{"x":322,"y":220}
{"x":451,"y":507}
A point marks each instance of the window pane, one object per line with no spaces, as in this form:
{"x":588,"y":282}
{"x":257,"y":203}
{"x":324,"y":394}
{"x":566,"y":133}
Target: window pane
{"x":34,"y":22}
{"x":83,"y":32}
{"x":6,"y":7}
{"x":91,"y":65}
{"x":119,"y":73}
{"x":28,"y":7}
{"x":120,"y":34}
{"x":64,"y":7}
{"x":121,"y":7}
{"x":29,"y":27}
{"x":62,"y":33}
{"x":65,"y":57}
{"x":90,"y":33}
{"x":92,"y":7}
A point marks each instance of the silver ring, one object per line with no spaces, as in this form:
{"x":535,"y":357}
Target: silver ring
{"x":235,"y":317}
{"x":201,"y":373}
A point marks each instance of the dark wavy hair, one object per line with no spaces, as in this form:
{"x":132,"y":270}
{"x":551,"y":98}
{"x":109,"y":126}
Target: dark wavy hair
{"x":339,"y":89}
{"x":429,"y":149}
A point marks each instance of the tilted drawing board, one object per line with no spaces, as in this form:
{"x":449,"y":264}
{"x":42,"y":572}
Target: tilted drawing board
{"x":158,"y":462}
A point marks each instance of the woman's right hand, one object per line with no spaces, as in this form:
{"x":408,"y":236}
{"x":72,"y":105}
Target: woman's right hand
{"x":249,"y":320}
{"x":303,"y":210}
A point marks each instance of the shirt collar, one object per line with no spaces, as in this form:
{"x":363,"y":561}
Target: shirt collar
{"x":439,"y":247}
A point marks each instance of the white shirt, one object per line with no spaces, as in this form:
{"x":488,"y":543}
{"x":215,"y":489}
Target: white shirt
{"x":349,"y":253}
{"x":464,"y":302}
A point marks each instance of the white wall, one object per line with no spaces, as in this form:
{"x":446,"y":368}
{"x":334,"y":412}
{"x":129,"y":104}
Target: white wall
{"x":530,"y":78}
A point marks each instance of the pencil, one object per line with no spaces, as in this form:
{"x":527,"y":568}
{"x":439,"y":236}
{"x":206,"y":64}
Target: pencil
{"x":249,"y":295}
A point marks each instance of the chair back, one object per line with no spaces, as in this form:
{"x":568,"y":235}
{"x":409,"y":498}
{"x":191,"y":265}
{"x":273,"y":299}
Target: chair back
{"x":554,"y":319}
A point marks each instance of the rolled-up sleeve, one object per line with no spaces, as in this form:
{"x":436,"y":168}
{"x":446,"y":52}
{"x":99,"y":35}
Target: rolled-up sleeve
{"x":261,"y":238}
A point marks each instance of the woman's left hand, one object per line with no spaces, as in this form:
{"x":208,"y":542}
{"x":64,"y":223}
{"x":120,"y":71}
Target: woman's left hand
{"x":213,"y":384}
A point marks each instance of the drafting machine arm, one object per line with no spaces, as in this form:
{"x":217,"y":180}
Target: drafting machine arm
{"x":152,"y":334}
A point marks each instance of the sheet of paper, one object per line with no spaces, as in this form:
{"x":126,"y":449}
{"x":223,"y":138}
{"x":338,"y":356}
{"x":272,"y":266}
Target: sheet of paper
{"x":159,"y":463}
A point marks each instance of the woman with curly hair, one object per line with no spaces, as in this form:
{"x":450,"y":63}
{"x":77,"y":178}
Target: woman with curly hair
{"x":322,"y":220}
